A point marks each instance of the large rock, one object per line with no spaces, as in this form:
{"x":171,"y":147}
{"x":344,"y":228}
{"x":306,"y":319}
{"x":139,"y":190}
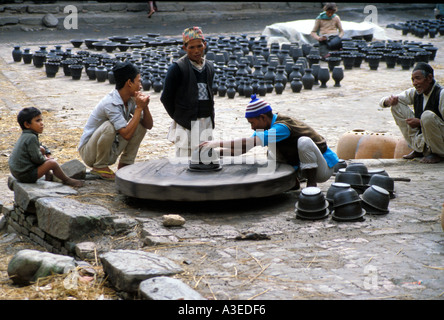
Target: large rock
{"x":50,"y":21}
{"x":29,"y":265}
{"x":68,"y":219}
{"x":126,"y":269}
{"x":165,"y":288}
{"x":25,"y":194}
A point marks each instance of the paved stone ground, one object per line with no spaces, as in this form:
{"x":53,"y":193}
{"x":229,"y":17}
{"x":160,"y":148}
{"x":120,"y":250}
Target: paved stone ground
{"x":398,"y":256}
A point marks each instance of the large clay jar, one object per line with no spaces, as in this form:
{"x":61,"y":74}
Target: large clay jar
{"x":17,"y":54}
{"x":101,"y":73}
{"x":39,"y":59}
{"x":348,"y":142}
{"x":262,"y":89}
{"x":323,"y":76}
{"x":296,"y":84}
{"x":279,"y":86}
{"x":231,"y":91}
{"x":27,"y":56}
{"x":51,"y":69}
{"x":337,"y":75}
{"x":76,"y":71}
{"x":158,"y":84}
{"x":373,"y":61}
{"x":401,"y":148}
{"x":308,"y":79}
{"x":376,"y":146}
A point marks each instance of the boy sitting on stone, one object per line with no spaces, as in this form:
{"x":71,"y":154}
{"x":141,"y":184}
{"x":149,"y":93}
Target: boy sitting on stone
{"x":29,"y":161}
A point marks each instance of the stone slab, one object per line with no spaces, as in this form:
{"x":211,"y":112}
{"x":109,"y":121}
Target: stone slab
{"x":25,"y":194}
{"x":126,"y":269}
{"x":68,"y":219}
{"x":166,"y":288}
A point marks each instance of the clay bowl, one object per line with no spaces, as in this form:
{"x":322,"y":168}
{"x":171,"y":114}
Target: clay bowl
{"x":76,"y":43}
{"x":376,"y":197}
{"x":352,"y":178}
{"x":89,"y":43}
{"x":384,"y":182}
{"x":123,"y":47}
{"x":372,"y":172}
{"x":360,"y":168}
{"x":340,"y":165}
{"x":349,"y":212}
{"x":99,"y":45}
{"x":335,"y":188}
{"x":344,"y":197}
{"x":311,"y":199}
{"x":312,"y":204}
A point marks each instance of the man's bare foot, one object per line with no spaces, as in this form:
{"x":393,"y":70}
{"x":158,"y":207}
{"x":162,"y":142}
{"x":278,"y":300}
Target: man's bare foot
{"x":413,"y":155}
{"x":431,"y":158}
{"x":73,"y":183}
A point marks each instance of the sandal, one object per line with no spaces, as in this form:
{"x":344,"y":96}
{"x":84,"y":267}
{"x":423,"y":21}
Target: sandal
{"x":102,"y":174}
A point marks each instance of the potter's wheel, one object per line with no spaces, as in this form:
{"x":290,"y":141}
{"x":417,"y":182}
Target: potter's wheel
{"x":238,"y":178}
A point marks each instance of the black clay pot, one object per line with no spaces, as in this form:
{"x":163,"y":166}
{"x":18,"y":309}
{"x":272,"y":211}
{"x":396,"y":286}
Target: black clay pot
{"x":51,"y":69}
{"x":262,"y":89}
{"x":313,"y":59}
{"x":281,"y":76}
{"x":308,"y":79}
{"x":323,"y":76}
{"x":91,"y":71}
{"x":17,"y":54}
{"x":390,"y":60}
{"x":76,"y":71}
{"x":101,"y":73}
{"x":348,"y":60}
{"x":76,"y":43}
{"x":373,"y":62}
{"x":359,"y":57}
{"x":231,"y":91}
{"x":296,"y":85}
{"x":337,"y":75}
{"x":146,"y":83}
{"x":406,"y":62}
{"x":279,"y":87}
{"x":39,"y":59}
{"x":248,"y":89}
{"x":111,"y":78}
{"x":333,"y":62}
{"x":295,"y":73}
{"x":27,"y":56}
{"x":158,"y":84}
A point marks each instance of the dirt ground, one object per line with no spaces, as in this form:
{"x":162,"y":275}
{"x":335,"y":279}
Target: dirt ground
{"x":66,"y":105}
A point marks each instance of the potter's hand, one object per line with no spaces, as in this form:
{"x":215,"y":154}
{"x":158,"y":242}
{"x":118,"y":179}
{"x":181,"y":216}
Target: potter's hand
{"x":209,"y":144}
{"x":391,"y":101}
{"x":142,"y":100}
{"x":323,"y":38}
{"x":413,"y":122}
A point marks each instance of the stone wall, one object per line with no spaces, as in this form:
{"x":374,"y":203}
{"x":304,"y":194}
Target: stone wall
{"x":43,"y":213}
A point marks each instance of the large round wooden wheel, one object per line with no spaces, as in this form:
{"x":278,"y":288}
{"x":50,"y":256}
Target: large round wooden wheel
{"x":239,"y":179}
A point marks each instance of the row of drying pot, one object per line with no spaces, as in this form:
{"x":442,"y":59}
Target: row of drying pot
{"x":352,"y":57}
{"x":348,"y":199}
{"x":420,"y":28}
{"x":125,"y":43}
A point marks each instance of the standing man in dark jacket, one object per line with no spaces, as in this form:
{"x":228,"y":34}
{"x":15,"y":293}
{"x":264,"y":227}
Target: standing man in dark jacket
{"x":188,"y":97}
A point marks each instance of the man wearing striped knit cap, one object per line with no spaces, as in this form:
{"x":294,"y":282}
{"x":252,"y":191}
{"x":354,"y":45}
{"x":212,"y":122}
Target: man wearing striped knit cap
{"x":296,"y":143}
{"x":188,"y":97}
